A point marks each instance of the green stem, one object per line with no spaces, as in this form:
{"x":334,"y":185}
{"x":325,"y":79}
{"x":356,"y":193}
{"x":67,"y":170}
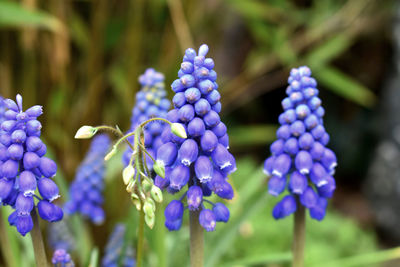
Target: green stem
{"x":37,"y":241}
{"x":6,"y":246}
{"x":299,"y":236}
{"x":154,"y":119}
{"x":196,"y":240}
{"x":160,"y":236}
{"x":139,"y":254}
{"x":111,"y":129}
{"x":139,"y":165}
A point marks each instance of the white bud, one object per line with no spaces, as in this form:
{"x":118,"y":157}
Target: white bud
{"x":178,"y":130}
{"x":128,"y":173}
{"x":149,"y":221}
{"x":111,"y":153}
{"x":85,"y":132}
{"x":156,"y":194}
{"x":159,"y":168}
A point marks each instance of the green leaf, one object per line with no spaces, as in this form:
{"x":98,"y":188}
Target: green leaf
{"x":261,"y":259}
{"x":13,"y":14}
{"x":94,"y":258}
{"x":328,"y":50}
{"x":344,"y":86}
{"x":252,"y":134}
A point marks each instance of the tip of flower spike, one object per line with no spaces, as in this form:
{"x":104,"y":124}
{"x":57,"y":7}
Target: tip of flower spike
{"x":178,"y":130}
{"x":203,"y":50}
{"x":85,"y":132}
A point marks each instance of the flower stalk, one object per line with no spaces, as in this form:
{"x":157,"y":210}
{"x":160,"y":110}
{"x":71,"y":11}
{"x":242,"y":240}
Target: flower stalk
{"x":196,"y":240}
{"x":299,"y":236}
{"x":37,"y":241}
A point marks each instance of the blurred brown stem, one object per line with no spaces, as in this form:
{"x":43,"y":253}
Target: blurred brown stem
{"x":180,"y":23}
{"x":299,"y":236}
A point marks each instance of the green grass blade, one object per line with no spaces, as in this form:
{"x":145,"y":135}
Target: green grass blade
{"x":344,"y":86}
{"x":13,"y":14}
{"x":252,"y":135}
{"x":261,"y":259}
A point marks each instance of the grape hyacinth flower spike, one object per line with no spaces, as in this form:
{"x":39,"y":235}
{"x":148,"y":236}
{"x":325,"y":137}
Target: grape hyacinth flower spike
{"x":86,"y":192}
{"x":151,"y":102}
{"x":26,"y":183}
{"x":202,"y":160}
{"x":61,"y":258}
{"x":301,"y":164}
{"x":115,"y":249}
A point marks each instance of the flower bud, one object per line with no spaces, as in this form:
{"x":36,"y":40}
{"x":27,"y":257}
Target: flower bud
{"x":202,"y":107}
{"x":159,"y":168}
{"x":196,"y":127}
{"x":111,"y":153}
{"x":178,"y":130}
{"x":281,"y":165}
{"x":149,"y":208}
{"x":24,"y":224}
{"x":211,"y":119}
{"x":86,"y":132}
{"x":47,"y":167}
{"x":156,"y":194}
{"x":31,"y":160}
{"x":298,"y":183}
{"x":127,"y":174}
{"x":208,"y":141}
{"x":49,"y":212}
{"x":303,"y":162}
{"x":150,"y":220}
{"x":309,"y":198}
{"x":268,"y":164}
{"x":48,"y":189}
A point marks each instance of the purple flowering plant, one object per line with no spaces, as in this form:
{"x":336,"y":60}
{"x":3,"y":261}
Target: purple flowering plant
{"x":202,"y":161}
{"x":300,"y":162}
{"x":26,"y":182}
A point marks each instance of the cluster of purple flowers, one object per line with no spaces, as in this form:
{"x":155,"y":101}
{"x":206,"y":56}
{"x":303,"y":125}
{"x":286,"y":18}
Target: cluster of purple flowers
{"x":151,"y":102}
{"x":202,"y":161}
{"x":118,"y":254}
{"x":24,"y":168}
{"x":2,"y":110}
{"x":86,"y":192}
{"x":62,"y":259}
{"x":300,"y":159}
{"x":60,"y":236}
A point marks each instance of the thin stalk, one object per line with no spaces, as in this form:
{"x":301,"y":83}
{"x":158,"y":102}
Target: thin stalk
{"x":139,"y":254}
{"x":37,"y":241}
{"x":196,"y":240}
{"x":139,"y":164}
{"x":160,"y":237}
{"x":299,"y":236}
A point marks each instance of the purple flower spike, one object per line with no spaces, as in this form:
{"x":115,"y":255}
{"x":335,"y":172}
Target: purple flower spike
{"x":23,"y":165}
{"x":86,"y":191}
{"x":202,"y":161}
{"x":300,"y":158}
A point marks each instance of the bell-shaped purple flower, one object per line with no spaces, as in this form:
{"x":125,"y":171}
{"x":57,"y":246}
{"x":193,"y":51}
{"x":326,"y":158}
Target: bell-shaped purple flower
{"x":221,"y":212}
{"x":298,"y":183}
{"x":188,"y":152}
{"x":24,"y":204}
{"x":276,"y":185}
{"x":303,"y":162}
{"x":285,"y":207}
{"x":47,"y":167}
{"x":24,"y":224}
{"x":27,"y":183}
{"x":48,"y":189}
{"x":166,"y":154}
{"x":196,"y":127}
{"x":179,"y":177}
{"x":194,"y":197}
{"x":207,"y":220}
{"x":208,"y":141}
{"x":6,"y":186}
{"x":49,"y":212}
{"x":203,"y":168}
{"x":281,"y":165}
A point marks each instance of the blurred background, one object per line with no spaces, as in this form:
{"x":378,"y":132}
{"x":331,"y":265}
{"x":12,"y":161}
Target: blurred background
{"x":80,"y":59}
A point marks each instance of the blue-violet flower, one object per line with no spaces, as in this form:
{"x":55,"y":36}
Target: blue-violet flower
{"x":300,"y":160}
{"x":24,"y":167}
{"x":202,"y":160}
{"x":115,"y":249}
{"x":86,"y":192}
{"x":151,"y":102}
{"x":62,"y":258}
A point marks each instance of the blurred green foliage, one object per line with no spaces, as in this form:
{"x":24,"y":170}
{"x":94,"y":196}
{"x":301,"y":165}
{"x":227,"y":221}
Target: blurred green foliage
{"x":81,"y":59}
